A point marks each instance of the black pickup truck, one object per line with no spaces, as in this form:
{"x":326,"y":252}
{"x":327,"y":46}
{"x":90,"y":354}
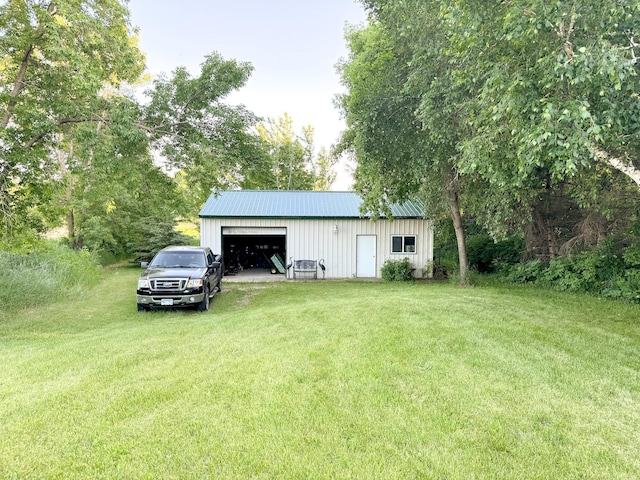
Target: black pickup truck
{"x":180,"y":277}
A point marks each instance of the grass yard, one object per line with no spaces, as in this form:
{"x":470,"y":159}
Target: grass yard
{"x":322,"y":380}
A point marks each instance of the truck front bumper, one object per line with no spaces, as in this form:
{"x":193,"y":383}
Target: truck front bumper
{"x":179,"y":300}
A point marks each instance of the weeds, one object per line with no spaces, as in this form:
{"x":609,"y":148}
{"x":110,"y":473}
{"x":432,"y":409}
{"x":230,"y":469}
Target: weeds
{"x":50,"y":273}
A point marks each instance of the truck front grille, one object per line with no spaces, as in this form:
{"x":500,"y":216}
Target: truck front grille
{"x":168,"y":284}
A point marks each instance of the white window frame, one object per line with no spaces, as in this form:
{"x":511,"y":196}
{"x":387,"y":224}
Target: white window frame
{"x":404,"y":246}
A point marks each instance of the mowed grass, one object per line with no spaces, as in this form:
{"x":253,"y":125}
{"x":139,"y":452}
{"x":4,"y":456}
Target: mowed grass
{"x":323,"y":379}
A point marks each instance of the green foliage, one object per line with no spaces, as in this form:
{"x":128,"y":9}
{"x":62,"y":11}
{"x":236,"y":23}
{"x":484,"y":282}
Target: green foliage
{"x":383,"y":134}
{"x":212,"y":143}
{"x":324,"y":173}
{"x":556,"y":87}
{"x":55,"y":60}
{"x":527,"y":272}
{"x":397,"y":270}
{"x":485,"y":254}
{"x":75,"y":144}
{"x":290,"y":165}
{"x":153,"y":235}
{"x":112,"y":186}
{"x":49,"y":273}
{"x":600,"y":272}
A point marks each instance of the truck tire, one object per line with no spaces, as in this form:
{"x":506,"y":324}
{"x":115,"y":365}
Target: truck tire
{"x":203,"y":306}
{"x":142,"y":308}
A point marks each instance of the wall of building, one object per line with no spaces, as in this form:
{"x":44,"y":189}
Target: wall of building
{"x":333,"y":240}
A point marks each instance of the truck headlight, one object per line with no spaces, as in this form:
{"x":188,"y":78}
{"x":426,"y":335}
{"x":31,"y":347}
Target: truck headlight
{"x":194,"y":282}
{"x":143,"y":283}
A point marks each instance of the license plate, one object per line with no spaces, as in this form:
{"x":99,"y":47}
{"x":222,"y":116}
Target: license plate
{"x":166,"y":301}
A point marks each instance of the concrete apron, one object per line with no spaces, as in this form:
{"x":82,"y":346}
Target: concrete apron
{"x":254,"y":275}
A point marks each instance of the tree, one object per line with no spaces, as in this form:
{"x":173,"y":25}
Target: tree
{"x":531,"y":102}
{"x":112,"y":186}
{"x":324,"y":173}
{"x":557,"y":86}
{"x":54,"y":58}
{"x":403,"y":148}
{"x":555,"y":119}
{"x":119,"y":187}
{"x":291,"y":156}
{"x":73,"y":142}
{"x":194,"y":131}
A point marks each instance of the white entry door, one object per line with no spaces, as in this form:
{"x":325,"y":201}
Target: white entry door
{"x":366,"y":256}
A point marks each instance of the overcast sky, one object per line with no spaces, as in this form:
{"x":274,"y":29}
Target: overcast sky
{"x":293,"y":46}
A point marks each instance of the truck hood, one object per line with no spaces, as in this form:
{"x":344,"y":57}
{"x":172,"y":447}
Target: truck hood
{"x":174,"y":273}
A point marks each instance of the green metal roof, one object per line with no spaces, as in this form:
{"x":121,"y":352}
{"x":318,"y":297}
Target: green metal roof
{"x":294,"y":204}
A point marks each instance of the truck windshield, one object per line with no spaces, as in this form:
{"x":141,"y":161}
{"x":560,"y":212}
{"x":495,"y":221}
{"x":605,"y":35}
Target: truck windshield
{"x":178,"y":260}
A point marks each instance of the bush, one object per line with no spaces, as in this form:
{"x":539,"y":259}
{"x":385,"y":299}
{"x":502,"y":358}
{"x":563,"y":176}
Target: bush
{"x":484,"y":254}
{"x":527,"y":272}
{"x":50,"y":273}
{"x":600,"y":272}
{"x":397,"y":270}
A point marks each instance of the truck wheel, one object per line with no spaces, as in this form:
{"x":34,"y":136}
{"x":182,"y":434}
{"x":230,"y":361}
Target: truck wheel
{"x":203,"y":306}
{"x":142,"y":308}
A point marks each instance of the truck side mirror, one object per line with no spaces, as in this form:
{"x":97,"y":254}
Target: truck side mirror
{"x":144,"y":265}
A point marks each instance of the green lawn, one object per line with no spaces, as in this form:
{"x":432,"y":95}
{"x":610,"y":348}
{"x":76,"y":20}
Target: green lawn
{"x":322,"y":380}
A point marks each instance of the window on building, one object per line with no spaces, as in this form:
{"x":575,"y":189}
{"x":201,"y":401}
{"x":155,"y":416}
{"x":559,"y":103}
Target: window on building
{"x":403,"y":244}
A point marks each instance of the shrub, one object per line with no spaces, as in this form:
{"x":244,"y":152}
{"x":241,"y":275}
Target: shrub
{"x":51,"y":272}
{"x":155,"y":235}
{"x":527,"y":272}
{"x":600,"y":272}
{"x":435,"y":271}
{"x":626,"y":286}
{"x":484,"y":254}
{"x":397,"y":270}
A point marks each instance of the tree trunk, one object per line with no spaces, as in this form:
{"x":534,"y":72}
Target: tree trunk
{"x":63,"y":161}
{"x":457,"y":225}
{"x":551,"y":239}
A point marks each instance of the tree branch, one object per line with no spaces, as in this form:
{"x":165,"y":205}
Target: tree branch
{"x":96,"y":118}
{"x":632,"y":46}
{"x":624,"y":166}
{"x":22,"y":72}
{"x":565,"y":32}
{"x":36,"y":138}
{"x":17,"y":86}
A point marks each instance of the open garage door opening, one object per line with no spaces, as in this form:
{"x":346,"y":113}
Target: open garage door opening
{"x":254,"y":249}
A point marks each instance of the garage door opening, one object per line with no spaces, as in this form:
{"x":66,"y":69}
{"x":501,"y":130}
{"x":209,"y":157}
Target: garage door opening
{"x":254,"y":249}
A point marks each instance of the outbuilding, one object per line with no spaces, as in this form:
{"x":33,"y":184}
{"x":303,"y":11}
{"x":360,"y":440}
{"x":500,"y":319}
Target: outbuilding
{"x":272,"y":229}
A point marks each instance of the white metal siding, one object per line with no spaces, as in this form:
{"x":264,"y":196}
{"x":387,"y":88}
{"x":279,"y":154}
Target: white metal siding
{"x":317,"y":239}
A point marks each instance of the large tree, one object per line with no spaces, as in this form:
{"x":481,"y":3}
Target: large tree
{"x":75,"y":140}
{"x":122,"y":168}
{"x":531,"y":101}
{"x":556,"y":119}
{"x":111,"y":186}
{"x":557,"y":85}
{"x":292,"y":163}
{"x":55,"y":59}
{"x":193,"y":130}
{"x":403,"y":115}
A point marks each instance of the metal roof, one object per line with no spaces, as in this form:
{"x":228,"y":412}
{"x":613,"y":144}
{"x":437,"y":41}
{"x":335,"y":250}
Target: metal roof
{"x":294,"y":204}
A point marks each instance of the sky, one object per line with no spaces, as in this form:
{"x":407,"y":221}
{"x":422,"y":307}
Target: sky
{"x":293,"y":45}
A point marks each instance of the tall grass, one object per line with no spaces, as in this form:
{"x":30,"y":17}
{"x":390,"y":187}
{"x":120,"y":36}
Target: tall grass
{"x":48,"y":274}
